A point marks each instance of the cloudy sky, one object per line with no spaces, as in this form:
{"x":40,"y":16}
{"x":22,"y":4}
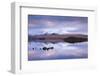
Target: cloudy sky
{"x":41,"y":24}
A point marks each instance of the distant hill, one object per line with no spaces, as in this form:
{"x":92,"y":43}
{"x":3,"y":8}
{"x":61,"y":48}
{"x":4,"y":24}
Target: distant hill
{"x":71,"y":38}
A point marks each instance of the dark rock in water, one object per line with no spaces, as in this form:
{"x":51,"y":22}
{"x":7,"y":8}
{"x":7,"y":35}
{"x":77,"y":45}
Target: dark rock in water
{"x":75,"y":39}
{"x":51,"y":47}
{"x":47,"y":48}
{"x":33,"y":48}
{"x":44,"y":48}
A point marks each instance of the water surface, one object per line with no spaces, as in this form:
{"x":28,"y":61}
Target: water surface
{"x":62,"y":50}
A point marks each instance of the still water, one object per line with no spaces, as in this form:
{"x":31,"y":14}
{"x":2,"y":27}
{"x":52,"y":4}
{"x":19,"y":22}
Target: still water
{"x":61,"y":50}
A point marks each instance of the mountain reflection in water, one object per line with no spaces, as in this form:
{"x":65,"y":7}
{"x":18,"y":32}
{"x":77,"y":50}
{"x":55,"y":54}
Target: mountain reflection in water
{"x":59,"y":50}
